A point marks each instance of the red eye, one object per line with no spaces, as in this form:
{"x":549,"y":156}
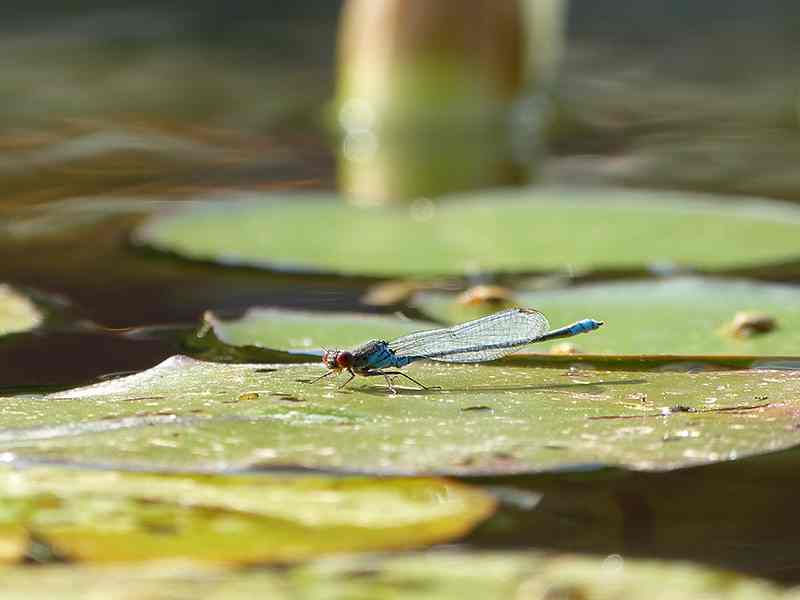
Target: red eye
{"x":344,"y":360}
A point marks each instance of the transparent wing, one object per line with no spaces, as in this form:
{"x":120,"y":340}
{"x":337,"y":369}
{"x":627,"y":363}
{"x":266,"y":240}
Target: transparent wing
{"x":477,"y":356}
{"x":475,"y":341}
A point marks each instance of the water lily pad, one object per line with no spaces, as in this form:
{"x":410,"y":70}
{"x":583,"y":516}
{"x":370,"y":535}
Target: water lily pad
{"x":305,"y":331}
{"x":440,"y":575}
{"x":685,"y":315}
{"x":113,"y":516}
{"x":528,"y":576}
{"x":485,"y":419}
{"x":522,"y":230}
{"x":289,"y":336}
{"x":17,"y":313}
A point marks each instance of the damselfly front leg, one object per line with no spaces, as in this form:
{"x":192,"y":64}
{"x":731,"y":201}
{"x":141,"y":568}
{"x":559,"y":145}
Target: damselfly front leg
{"x":352,"y":376}
{"x":323,"y":376}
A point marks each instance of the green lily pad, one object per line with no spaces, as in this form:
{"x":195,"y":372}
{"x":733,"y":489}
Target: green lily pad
{"x":440,"y":575}
{"x":188,"y":414}
{"x":519,"y":230}
{"x":684,"y":315}
{"x":17,"y":313}
{"x":114,"y":516}
{"x":284,"y":336}
{"x":305,"y":331}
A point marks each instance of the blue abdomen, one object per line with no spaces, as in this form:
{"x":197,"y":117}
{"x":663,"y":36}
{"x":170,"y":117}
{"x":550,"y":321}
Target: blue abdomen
{"x":585,"y":326}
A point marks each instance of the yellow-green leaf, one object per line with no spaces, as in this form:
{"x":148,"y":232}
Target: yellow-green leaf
{"x":17,"y":313}
{"x":440,"y":575}
{"x":118,"y":516}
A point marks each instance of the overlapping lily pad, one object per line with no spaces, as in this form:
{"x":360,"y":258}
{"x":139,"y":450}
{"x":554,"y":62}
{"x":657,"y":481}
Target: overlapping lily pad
{"x":510,"y":231}
{"x":672,"y":316}
{"x":114,"y":516}
{"x":289,"y":336}
{"x":74,"y":216}
{"x":187,"y":414}
{"x":306,"y":332}
{"x":440,"y":575}
{"x":17,"y":312}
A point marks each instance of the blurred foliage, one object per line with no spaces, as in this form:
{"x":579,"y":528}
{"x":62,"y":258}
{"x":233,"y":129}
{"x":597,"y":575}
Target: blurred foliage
{"x":446,"y":575}
{"x":104,"y":516}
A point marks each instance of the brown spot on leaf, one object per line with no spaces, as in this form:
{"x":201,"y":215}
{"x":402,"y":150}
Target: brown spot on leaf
{"x":748,"y":324}
{"x":493,"y":295}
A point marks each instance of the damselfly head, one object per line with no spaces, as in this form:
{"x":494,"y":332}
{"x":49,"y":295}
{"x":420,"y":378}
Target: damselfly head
{"x":344,"y":360}
{"x":336,"y":359}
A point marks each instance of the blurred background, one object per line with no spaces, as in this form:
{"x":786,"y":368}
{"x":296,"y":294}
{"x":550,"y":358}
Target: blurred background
{"x":106,"y":97}
{"x":115,"y":111}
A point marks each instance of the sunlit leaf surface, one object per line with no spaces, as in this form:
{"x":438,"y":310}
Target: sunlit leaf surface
{"x":484,"y":419}
{"x":441,"y":575}
{"x":288,"y":336}
{"x":116,"y":516}
{"x":670,"y":316}
{"x":304,"y":330}
{"x":17,"y":313}
{"x":520,"y":230}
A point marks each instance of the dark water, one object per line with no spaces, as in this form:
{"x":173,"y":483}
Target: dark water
{"x":737,"y":515}
{"x":115,"y":308}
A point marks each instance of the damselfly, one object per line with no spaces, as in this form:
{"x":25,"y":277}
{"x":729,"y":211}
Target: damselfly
{"x":476,"y":341}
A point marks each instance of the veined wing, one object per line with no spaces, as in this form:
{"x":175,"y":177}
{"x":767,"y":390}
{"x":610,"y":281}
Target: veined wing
{"x":475,"y":341}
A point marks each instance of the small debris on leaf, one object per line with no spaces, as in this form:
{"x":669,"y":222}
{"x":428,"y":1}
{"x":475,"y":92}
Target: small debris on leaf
{"x":391,"y":293}
{"x":287,"y":397}
{"x":638,"y":396}
{"x":667,"y":411}
{"x":748,"y":323}
{"x":565,"y":348}
{"x":141,"y":398}
{"x":493,"y":295}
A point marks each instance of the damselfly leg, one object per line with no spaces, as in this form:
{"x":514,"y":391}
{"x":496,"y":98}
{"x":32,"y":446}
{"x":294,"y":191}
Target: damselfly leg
{"x":389,"y":381}
{"x":322,"y":377}
{"x":352,"y":376}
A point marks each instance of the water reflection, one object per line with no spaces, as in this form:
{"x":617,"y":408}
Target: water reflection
{"x":375,"y":169}
{"x":429,"y":95}
{"x":737,"y":515}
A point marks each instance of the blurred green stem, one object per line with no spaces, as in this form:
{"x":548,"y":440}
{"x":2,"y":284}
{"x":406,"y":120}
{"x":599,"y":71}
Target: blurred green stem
{"x":428,"y":91}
